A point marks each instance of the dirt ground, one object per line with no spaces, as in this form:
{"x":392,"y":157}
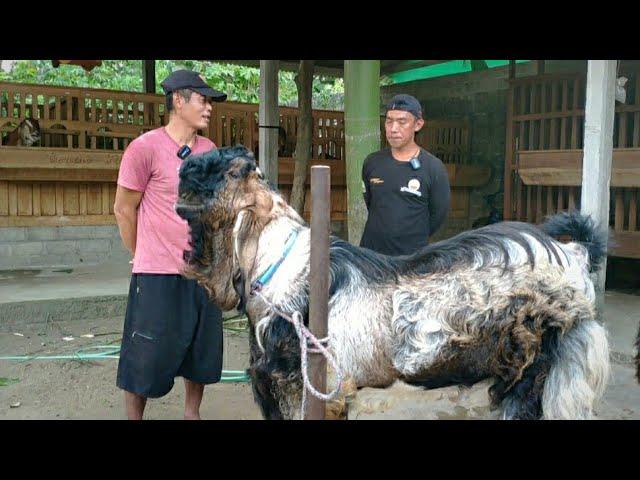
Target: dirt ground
{"x":73,"y":389}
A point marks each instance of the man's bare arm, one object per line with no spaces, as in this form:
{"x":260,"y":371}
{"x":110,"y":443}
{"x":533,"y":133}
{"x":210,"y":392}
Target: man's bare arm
{"x":126,"y":212}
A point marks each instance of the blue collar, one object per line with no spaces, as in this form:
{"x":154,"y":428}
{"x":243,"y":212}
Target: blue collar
{"x":269,"y":272}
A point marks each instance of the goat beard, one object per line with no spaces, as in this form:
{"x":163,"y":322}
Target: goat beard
{"x":214,"y":268}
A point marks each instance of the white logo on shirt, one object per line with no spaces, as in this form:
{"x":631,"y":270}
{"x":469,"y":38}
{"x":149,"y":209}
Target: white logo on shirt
{"x":414,"y":184}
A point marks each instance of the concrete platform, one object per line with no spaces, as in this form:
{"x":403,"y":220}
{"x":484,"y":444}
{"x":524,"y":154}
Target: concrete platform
{"x":88,"y":292}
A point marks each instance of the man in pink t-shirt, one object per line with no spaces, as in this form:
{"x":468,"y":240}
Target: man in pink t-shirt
{"x":171,"y":329}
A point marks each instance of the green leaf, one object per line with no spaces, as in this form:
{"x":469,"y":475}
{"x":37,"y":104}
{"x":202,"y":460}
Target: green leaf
{"x":8,"y":381}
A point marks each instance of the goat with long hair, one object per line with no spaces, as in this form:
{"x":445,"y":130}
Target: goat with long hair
{"x":506,"y":301}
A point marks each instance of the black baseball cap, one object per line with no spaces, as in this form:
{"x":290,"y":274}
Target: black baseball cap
{"x":186,"y":79}
{"x":406,"y":103}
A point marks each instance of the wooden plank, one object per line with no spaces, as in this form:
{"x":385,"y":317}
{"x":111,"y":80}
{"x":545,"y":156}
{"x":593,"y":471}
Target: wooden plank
{"x":57,"y":221}
{"x":518,"y":196}
{"x":508,"y":158}
{"x":103,"y":111}
{"x":36,"y":199}
{"x":532,"y":109}
{"x":560,"y":204}
{"x":625,"y":244}
{"x":71,"y":202}
{"x":48,"y":198}
{"x":105,"y":198}
{"x":114,"y":112}
{"x":58,"y":159}
{"x":13,"y":199}
{"x":10,"y":104}
{"x":572,"y":198}
{"x":69,"y":103}
{"x":59,"y":198}
{"x":136,"y":113}
{"x":81,"y":109}
{"x":622,"y":130}
{"x":94,"y":198}
{"x":564,"y":167}
{"x":25,"y":199}
{"x":58,"y":108}
{"x":549,"y":115}
{"x":543,"y":109}
{"x":538,"y":204}
{"x":82,"y":199}
{"x":529,"y":208}
{"x":156,"y":115}
{"x":619,"y":210}
{"x":112,"y":196}
{"x":286,"y":167}
{"x":522,"y":106}
{"x":48,"y":175}
{"x":550,"y":209}
{"x":4,"y":198}
{"x":563,"y":121}
{"x":574,"y":118}
{"x":636,"y":116}
{"x":633,"y":210}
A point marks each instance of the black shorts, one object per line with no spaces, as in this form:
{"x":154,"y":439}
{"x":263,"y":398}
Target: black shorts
{"x":171,"y":330}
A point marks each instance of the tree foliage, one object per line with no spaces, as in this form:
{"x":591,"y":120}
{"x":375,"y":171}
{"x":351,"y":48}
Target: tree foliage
{"x":241,"y":84}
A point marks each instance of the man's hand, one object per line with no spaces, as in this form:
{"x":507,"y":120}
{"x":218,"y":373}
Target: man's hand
{"x":126,"y":212}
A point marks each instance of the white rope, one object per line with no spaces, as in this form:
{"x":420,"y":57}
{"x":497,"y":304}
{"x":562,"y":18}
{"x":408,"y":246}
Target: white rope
{"x":305,"y":335}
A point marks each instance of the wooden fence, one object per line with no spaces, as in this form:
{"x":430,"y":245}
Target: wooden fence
{"x":543,"y":161}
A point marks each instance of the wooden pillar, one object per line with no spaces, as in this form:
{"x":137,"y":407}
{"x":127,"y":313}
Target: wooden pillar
{"x":598,"y":152}
{"x":269,"y":120}
{"x":149,"y":76}
{"x":362,"y":134}
{"x":319,"y":283}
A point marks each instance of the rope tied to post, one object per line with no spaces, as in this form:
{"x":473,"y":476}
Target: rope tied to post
{"x":304,"y":335}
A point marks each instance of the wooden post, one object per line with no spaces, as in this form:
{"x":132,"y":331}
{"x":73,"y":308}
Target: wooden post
{"x":362,"y":134}
{"x":598,"y":152}
{"x":304,"y":140}
{"x":507,"y":211}
{"x":268,"y":117}
{"x":319,"y":283}
{"x":149,"y":76}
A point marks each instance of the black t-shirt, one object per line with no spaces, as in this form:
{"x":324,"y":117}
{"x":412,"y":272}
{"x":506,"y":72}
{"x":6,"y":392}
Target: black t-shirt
{"x":406,"y":206}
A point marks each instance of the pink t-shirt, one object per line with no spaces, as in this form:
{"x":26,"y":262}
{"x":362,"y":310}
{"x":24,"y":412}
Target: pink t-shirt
{"x":150,"y":164}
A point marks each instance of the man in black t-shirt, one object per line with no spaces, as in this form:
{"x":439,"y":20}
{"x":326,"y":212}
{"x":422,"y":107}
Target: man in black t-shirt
{"x":406,"y":189}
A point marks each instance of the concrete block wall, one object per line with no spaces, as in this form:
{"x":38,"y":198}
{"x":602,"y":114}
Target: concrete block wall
{"x":46,"y":247}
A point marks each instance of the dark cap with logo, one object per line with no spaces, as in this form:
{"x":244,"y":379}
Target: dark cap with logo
{"x":406,"y":103}
{"x":186,"y":79}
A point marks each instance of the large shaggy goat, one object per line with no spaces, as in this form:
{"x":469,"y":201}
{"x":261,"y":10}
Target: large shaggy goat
{"x":506,"y":301}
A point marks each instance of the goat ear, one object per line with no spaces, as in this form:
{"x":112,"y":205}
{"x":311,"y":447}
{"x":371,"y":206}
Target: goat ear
{"x":263,"y":203}
{"x":256,"y":199}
